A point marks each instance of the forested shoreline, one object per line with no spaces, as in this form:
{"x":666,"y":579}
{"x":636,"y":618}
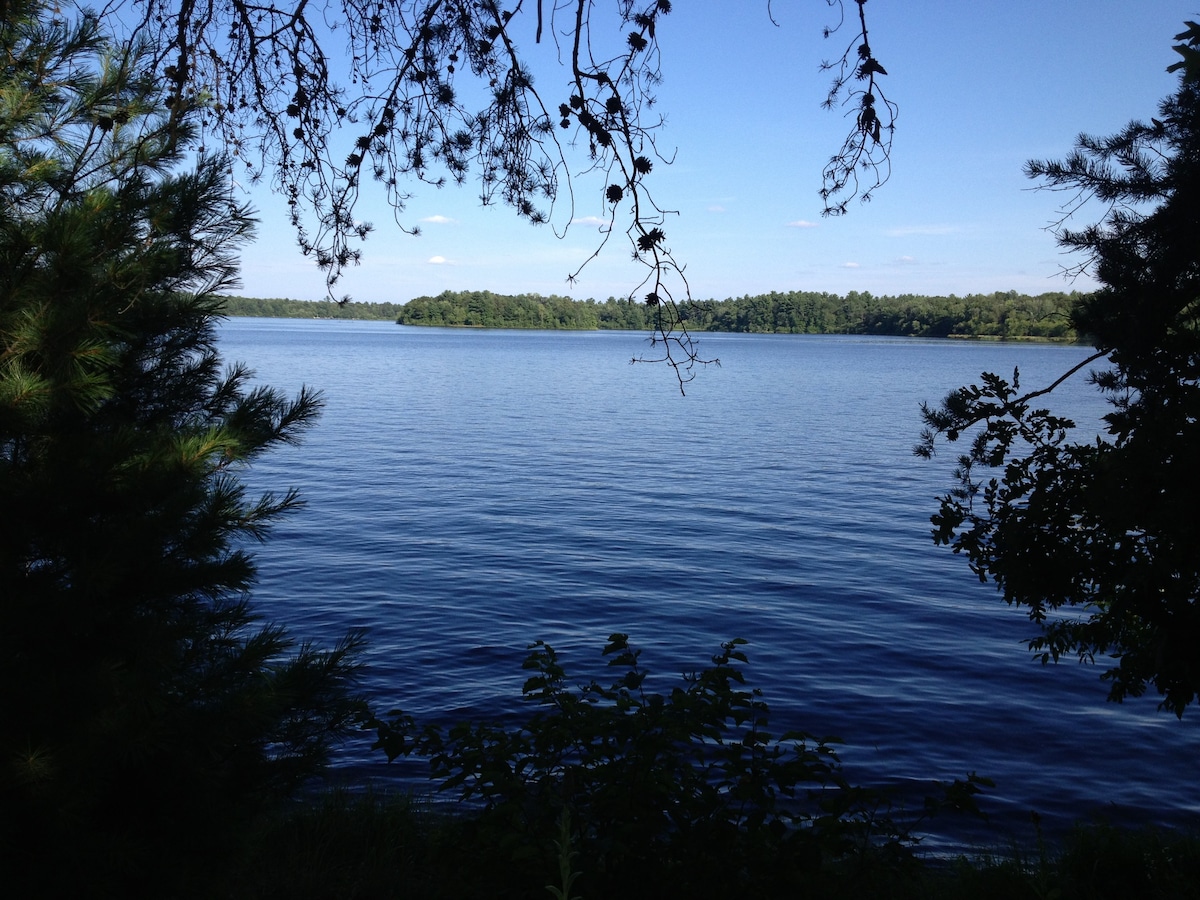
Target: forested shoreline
{"x":1002,"y":315}
{"x":281,"y":308}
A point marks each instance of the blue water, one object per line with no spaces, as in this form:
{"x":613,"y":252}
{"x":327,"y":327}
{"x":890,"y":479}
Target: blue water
{"x":472,"y":491}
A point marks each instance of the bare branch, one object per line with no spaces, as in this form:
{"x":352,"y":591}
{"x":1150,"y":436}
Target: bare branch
{"x":325,"y":100}
{"x":868,"y":146}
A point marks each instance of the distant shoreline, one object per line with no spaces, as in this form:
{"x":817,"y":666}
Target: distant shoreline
{"x":1000,"y":316}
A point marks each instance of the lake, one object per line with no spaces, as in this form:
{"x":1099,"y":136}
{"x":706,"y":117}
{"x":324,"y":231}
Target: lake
{"x":472,"y":491}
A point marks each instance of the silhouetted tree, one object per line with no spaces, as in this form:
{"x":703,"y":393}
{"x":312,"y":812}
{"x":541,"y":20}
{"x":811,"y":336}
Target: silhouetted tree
{"x":1098,"y":539}
{"x":328,"y":99}
{"x":145,"y":715}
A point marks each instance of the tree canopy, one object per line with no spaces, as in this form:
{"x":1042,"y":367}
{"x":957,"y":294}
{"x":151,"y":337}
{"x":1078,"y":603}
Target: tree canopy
{"x":331,"y":100}
{"x":1097,"y":538}
{"x":137,"y":682}
{"x":1000,"y":315}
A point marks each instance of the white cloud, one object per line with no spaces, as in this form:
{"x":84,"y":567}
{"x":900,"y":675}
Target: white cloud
{"x":590,"y":221}
{"x":802,"y":223}
{"x":440,"y":220}
{"x":439,"y":261}
{"x":906,"y":260}
{"x":716,"y":208}
{"x":850,"y":265}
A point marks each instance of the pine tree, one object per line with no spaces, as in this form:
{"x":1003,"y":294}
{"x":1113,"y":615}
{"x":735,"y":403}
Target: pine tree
{"x":1098,"y":538}
{"x":146,"y":715}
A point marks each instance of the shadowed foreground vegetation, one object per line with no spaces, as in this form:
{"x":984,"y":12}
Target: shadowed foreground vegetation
{"x":999,"y":316}
{"x":618,"y":791}
{"x":352,"y":846}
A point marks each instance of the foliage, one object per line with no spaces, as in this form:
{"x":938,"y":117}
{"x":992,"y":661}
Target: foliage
{"x":335,"y":98}
{"x":283,"y":308}
{"x":868,"y":146}
{"x":612,"y":787}
{"x":371,"y":845}
{"x":1002,"y":315}
{"x":1097,"y":538}
{"x":1095,"y":861}
{"x":485,"y":309}
{"x":146,"y":716}
{"x":346,"y":843}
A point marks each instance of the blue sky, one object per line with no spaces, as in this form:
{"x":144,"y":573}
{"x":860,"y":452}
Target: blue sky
{"x":982,"y":87}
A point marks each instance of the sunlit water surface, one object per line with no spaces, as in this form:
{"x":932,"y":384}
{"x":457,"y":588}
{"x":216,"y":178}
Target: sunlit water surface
{"x":472,"y":491}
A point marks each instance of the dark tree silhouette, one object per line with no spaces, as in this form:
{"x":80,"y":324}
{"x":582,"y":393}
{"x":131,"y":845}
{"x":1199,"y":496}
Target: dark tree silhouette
{"x":327,"y":99}
{"x":1098,"y":539}
{"x":146,"y":716}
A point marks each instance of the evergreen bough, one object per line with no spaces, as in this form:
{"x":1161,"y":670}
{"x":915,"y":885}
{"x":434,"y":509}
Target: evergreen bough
{"x":146,"y":716}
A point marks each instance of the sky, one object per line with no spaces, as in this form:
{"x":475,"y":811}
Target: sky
{"x":981,"y":87}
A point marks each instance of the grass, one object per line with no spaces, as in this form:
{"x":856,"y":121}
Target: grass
{"x":372,"y":846}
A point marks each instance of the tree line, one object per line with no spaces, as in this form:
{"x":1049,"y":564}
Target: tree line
{"x":1001,"y":315}
{"x":283,"y":308}
{"x":1004,"y":315}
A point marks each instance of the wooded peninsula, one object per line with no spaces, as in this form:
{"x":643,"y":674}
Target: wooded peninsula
{"x":1003,"y":315}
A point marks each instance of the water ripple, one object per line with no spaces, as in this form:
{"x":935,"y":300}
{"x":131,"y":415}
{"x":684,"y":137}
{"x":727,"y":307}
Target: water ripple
{"x":469,"y":492}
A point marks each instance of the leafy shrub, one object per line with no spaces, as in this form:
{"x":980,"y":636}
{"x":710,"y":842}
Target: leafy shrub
{"x":639,"y":790}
